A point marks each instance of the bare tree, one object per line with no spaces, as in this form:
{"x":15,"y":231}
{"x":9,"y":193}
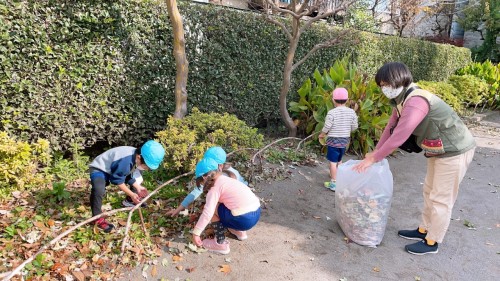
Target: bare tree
{"x":442,"y":14}
{"x":404,"y":13}
{"x":181,"y":61}
{"x":302,"y":15}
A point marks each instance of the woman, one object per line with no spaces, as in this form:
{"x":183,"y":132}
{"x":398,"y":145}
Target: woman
{"x":422,"y":118}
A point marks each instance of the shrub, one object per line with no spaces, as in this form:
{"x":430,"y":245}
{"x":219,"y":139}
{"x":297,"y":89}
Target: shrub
{"x":186,"y":140}
{"x":446,"y":92}
{"x":490,"y":73}
{"x":103,"y":70}
{"x":21,"y":163}
{"x":371,"y":106}
{"x":473,"y":91}
{"x":68,"y":170}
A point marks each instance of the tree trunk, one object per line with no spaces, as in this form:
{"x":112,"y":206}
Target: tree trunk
{"x":285,"y":87}
{"x":181,"y":62}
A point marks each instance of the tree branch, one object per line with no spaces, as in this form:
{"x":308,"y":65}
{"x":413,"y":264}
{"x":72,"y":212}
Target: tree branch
{"x":274,"y":7}
{"x":278,"y":23}
{"x":322,"y":45}
{"x":303,"y":8}
{"x":62,"y":235}
{"x":343,"y":7}
{"x":271,"y":144}
{"x":129,"y":220}
{"x":302,"y":141}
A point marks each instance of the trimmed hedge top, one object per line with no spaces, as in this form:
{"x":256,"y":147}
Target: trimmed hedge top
{"x":102,"y":70}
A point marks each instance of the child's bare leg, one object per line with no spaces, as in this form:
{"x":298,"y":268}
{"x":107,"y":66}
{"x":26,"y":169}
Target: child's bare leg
{"x":333,"y":171}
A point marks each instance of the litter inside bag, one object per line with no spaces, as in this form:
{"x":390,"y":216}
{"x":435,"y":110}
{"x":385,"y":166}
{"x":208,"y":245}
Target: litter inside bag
{"x":363,"y":201}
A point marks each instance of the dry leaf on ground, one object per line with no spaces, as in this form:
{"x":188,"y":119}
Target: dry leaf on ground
{"x":176,"y":259}
{"x":78,"y":275}
{"x":224,"y":268}
{"x":154,"y":271}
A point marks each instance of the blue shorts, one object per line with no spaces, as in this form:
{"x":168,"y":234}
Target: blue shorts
{"x":241,"y":222}
{"x":334,"y":154}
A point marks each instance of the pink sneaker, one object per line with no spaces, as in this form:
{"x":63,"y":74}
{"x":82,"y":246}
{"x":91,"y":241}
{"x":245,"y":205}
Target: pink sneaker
{"x":241,"y":235}
{"x":213,"y":246}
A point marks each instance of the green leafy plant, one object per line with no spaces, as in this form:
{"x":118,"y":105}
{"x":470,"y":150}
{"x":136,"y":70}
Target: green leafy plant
{"x":93,"y":76}
{"x":473,"y":91}
{"x":490,"y":73}
{"x":9,"y":231}
{"x":40,"y":265}
{"x":58,"y":191}
{"x":446,"y":91}
{"x":22,"y":164}
{"x":277,"y":155}
{"x":365,"y":98}
{"x":187,"y":139}
{"x":68,"y":170}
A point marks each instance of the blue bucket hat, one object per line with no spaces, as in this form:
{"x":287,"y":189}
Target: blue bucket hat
{"x":204,"y":166}
{"x":152,"y":152}
{"x":216,"y":153}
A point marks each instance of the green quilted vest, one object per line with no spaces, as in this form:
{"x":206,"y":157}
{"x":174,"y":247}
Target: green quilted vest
{"x":441,"y":133}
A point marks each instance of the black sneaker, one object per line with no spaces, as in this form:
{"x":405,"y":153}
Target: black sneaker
{"x":412,"y":234}
{"x":104,"y":225}
{"x":422,"y":248}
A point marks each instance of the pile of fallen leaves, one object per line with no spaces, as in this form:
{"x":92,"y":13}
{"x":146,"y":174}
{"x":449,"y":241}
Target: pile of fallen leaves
{"x":31,"y":219}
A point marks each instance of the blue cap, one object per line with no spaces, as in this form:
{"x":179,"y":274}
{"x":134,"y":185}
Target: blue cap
{"x":152,"y":152}
{"x":216,"y":153}
{"x":204,"y":166}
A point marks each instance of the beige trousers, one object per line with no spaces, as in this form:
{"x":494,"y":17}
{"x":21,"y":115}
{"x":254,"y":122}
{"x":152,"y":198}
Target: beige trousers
{"x":440,"y":192}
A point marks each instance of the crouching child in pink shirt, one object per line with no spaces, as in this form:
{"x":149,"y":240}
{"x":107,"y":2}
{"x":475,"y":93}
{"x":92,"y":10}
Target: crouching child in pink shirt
{"x":229,"y":204}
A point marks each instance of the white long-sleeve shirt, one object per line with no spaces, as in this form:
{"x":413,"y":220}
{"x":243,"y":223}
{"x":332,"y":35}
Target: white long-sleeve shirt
{"x":340,"y":122}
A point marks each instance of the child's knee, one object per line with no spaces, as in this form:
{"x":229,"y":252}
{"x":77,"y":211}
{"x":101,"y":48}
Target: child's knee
{"x":98,"y":186}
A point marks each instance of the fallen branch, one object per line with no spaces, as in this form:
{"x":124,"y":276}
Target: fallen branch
{"x":241,"y":149}
{"x":302,"y":141}
{"x":129,"y":220}
{"x":142,"y":222}
{"x":62,"y":235}
{"x":271,"y":144}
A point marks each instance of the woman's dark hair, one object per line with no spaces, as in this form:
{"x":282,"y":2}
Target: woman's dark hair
{"x":395,"y":74}
{"x":340,"y":101}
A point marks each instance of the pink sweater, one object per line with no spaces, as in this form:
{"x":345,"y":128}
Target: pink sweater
{"x":235,"y":195}
{"x":414,"y":111}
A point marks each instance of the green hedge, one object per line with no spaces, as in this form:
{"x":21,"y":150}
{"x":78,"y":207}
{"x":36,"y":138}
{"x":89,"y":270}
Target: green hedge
{"x":84,"y":71}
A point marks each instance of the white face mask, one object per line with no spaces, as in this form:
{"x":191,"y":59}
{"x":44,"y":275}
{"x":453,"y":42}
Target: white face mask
{"x":390,"y":92}
{"x":141,"y":168}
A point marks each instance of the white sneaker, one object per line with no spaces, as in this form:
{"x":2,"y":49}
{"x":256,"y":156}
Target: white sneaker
{"x":241,"y":235}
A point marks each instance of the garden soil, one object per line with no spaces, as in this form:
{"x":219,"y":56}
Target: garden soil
{"x":298,"y":237}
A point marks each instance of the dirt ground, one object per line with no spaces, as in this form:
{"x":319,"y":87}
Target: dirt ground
{"x":298,"y":237}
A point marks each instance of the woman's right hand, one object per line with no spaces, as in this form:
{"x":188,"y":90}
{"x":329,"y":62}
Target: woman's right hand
{"x":362,"y":166}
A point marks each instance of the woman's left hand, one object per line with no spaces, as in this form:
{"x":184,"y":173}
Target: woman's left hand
{"x":197,"y":240}
{"x":365,"y":164}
